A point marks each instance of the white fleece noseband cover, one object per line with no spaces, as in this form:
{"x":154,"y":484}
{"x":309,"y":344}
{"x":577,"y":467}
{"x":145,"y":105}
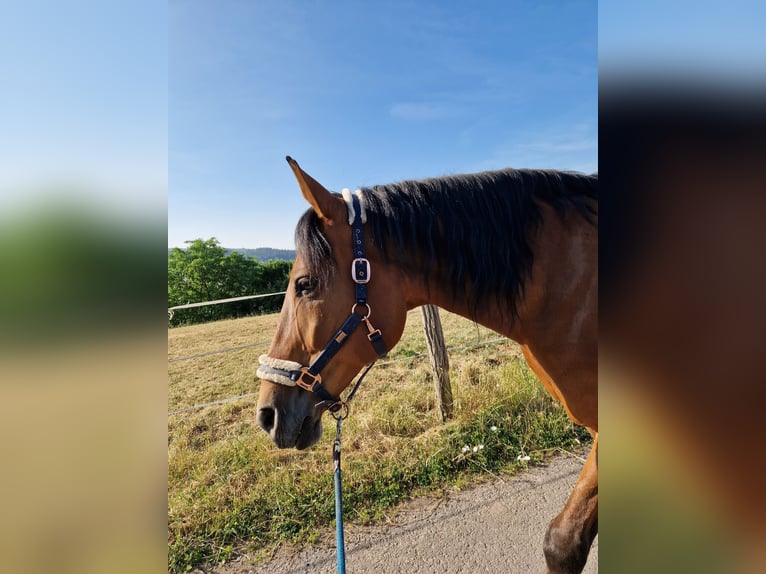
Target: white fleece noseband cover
{"x":267,"y":361}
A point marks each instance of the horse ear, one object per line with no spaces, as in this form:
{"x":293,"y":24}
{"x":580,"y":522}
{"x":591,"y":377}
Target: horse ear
{"x":322,"y":201}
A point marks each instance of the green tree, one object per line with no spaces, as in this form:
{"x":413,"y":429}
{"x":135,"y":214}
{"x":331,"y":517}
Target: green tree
{"x":273,"y":278}
{"x":204,"y":272}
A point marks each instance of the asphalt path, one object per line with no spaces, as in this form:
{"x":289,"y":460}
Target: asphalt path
{"x":497,"y":526}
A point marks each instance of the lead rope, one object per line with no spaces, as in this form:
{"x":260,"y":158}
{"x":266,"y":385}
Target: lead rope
{"x":340,"y":543}
{"x":339,"y":416}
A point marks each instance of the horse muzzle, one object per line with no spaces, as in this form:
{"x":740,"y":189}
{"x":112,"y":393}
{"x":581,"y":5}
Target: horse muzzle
{"x":289,"y":417}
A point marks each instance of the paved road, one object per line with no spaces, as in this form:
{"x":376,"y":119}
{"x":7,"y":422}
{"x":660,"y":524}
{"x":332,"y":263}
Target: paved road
{"x":496,"y":527}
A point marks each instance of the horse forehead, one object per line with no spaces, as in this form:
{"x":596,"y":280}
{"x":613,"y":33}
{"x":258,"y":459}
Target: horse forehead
{"x":339,"y":236}
{"x":298,"y":265}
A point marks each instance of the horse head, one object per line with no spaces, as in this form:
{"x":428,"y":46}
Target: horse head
{"x":323,"y":292}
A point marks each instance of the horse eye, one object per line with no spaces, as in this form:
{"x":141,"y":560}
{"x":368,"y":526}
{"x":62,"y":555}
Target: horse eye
{"x":305,"y":286}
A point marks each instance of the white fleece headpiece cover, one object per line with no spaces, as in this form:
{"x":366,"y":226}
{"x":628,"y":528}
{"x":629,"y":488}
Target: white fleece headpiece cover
{"x":347,"y":197}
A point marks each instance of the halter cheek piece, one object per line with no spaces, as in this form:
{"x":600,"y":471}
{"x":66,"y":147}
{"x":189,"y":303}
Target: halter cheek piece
{"x":292,"y":374}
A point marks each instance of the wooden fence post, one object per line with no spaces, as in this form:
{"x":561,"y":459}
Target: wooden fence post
{"x":437,"y":353}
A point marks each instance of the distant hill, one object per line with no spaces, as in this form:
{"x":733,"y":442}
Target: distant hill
{"x":261,"y":253}
{"x":265,"y":253}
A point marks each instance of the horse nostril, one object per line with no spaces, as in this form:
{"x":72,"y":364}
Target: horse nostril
{"x":265,"y":418}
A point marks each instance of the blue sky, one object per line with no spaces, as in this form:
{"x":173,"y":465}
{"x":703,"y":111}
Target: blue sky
{"x":362,"y":93}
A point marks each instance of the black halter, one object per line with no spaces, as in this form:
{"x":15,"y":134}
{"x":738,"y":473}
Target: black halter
{"x":309,"y":378}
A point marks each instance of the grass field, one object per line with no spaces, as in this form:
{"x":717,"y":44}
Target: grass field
{"x":230,"y":490}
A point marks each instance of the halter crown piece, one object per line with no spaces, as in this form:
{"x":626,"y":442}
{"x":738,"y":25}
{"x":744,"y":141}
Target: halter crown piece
{"x":290,"y":373}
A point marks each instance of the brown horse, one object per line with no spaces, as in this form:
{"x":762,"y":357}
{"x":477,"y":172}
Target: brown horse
{"x":514,"y":250}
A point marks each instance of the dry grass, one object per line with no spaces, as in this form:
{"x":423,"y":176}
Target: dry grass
{"x":229,"y":489}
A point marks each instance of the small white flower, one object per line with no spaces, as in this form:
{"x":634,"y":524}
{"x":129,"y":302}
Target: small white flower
{"x":493,"y":428}
{"x":481,"y":446}
{"x":523,"y":458}
{"x":465,"y":448}
{"x":476,"y":449}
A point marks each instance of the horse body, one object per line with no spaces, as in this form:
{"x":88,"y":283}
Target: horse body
{"x":524,"y":265}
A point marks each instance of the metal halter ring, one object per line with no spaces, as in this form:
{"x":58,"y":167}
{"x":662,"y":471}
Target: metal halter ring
{"x":341,"y":413}
{"x":369,"y":310}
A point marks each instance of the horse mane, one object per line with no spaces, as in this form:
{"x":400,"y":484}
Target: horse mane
{"x":472,"y":230}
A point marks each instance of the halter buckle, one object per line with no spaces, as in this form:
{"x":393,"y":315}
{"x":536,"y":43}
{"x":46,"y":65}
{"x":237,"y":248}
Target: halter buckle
{"x":360,"y":270}
{"x":317,"y":380}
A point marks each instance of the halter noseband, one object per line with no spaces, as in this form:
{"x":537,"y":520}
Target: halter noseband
{"x":292,"y":374}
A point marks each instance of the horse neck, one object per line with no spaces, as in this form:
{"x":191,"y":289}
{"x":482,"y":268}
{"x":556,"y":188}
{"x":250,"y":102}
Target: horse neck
{"x":434,"y":288}
{"x":564,"y":258}
{"x":431,"y":290}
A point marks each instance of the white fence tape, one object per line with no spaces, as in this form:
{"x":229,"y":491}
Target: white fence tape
{"x":171,"y":310}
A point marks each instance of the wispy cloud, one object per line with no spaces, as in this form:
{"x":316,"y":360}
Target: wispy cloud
{"x":561,"y":146}
{"x":421,"y":111}
{"x":572,"y":148}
